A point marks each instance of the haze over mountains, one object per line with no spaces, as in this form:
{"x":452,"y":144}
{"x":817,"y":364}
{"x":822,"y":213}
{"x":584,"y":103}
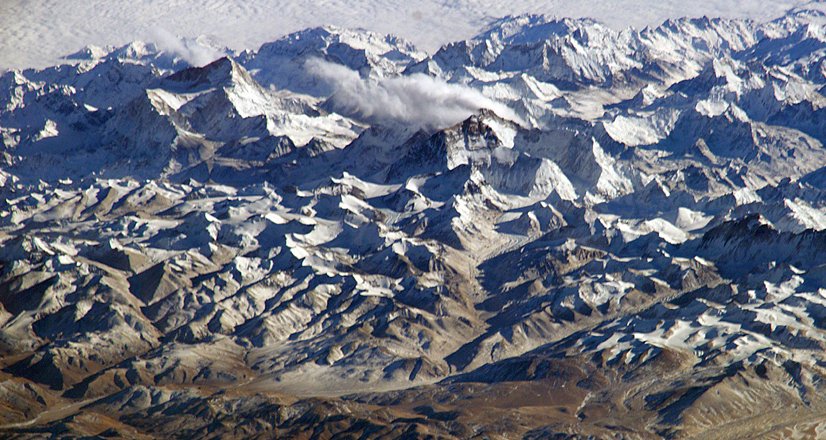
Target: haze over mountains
{"x":554,"y":229}
{"x":38,"y":33}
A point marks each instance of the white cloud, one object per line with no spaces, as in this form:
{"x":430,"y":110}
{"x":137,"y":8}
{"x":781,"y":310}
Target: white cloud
{"x":417,"y":100}
{"x":190,"y":50}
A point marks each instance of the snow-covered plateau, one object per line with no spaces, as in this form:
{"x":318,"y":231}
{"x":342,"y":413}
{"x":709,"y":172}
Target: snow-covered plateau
{"x":554,"y":229}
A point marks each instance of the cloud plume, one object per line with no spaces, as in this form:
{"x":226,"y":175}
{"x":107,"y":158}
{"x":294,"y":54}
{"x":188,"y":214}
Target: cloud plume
{"x":189,"y":50}
{"x":417,"y":100}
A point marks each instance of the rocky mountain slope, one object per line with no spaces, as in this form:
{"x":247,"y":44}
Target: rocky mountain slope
{"x":551,"y":230}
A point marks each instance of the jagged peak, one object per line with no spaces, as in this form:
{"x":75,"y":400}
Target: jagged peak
{"x":89,"y":53}
{"x":322,"y":37}
{"x":221,"y":72}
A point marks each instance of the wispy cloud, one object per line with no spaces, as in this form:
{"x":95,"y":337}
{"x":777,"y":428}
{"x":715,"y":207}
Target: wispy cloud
{"x":190,"y":50}
{"x":417,"y":100}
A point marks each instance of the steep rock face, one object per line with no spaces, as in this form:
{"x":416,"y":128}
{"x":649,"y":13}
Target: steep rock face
{"x":194,"y":251}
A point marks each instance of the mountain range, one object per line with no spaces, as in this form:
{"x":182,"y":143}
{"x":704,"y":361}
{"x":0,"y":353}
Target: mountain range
{"x":553,"y":229}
